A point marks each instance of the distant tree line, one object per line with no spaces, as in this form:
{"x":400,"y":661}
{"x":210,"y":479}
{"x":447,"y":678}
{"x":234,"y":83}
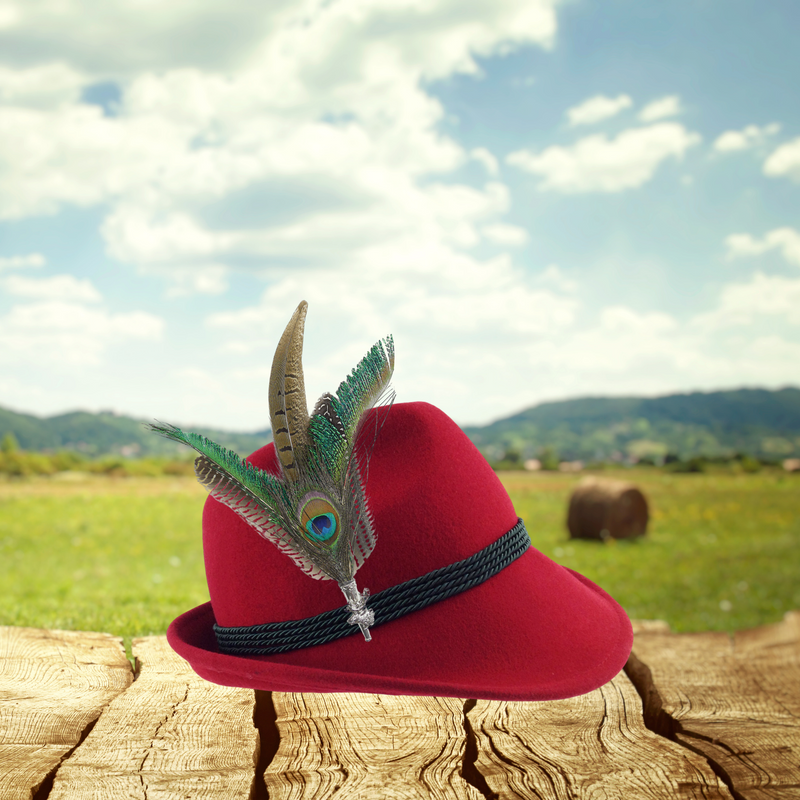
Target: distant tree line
{"x":548,"y":459}
{"x":18,"y":463}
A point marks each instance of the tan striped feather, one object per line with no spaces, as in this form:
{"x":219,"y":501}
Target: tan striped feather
{"x":288,"y":411}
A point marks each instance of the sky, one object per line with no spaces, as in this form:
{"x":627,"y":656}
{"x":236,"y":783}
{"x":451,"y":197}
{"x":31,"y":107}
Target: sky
{"x":539,"y":200}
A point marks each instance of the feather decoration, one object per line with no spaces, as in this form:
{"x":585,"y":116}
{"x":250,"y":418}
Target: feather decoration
{"x":317,"y":511}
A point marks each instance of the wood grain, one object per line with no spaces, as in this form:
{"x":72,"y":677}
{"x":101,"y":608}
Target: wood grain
{"x":53,"y":686}
{"x":592,"y":746}
{"x":367,"y":746}
{"x":734,"y":699}
{"x":171,"y":735}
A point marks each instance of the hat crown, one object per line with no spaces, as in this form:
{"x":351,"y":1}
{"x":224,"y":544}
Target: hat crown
{"x":433,"y":498}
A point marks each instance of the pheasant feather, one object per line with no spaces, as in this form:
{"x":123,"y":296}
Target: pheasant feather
{"x":316,"y":511}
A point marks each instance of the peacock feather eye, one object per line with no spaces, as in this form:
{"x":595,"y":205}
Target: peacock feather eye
{"x":319,"y":519}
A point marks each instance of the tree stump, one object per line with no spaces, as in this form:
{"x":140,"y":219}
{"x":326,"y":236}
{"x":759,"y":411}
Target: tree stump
{"x":733,"y":700}
{"x":365,"y":746}
{"x":171,"y":735}
{"x":717,"y":720}
{"x":53,"y":687}
{"x":585,"y":748}
{"x":601,"y":508}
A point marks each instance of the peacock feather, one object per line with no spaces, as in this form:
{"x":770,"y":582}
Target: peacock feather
{"x":316,"y":511}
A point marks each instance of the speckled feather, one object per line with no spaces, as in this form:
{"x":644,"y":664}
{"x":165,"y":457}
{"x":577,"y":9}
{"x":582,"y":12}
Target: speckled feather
{"x":317,"y":511}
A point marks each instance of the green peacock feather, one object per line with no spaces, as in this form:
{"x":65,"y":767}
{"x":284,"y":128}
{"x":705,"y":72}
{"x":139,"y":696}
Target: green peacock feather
{"x":316,"y":511}
{"x":335,"y":423}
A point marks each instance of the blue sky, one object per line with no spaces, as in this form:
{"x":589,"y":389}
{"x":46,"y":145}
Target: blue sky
{"x":538,"y":199}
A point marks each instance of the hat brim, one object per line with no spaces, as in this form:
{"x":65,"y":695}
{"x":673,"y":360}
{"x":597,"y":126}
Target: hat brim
{"x":534,"y":631}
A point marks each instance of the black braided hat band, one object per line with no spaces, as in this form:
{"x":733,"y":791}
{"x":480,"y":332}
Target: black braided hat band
{"x":391,"y":603}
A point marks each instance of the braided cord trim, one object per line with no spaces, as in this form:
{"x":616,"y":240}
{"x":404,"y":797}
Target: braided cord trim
{"x":391,"y":603}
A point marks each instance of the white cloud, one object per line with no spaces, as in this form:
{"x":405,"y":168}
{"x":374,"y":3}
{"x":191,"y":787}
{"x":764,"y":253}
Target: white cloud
{"x":455,"y":320}
{"x":597,"y":164}
{"x":669,"y":106}
{"x":748,"y":137}
{"x":787,"y":240}
{"x":304,"y":145}
{"x":767,"y":296}
{"x":43,"y":86}
{"x":619,"y":343}
{"x":57,"y":332}
{"x":198,"y":279}
{"x":767,"y":356}
{"x":22,"y":262}
{"x":626,"y":321}
{"x":156,"y":36}
{"x":480,"y":339}
{"x":329,"y":39}
{"x":598,"y":108}
{"x":66,"y":288}
{"x":623,"y":350}
{"x":785,"y":161}
{"x":554,"y":277}
{"x":75,"y":155}
{"x":486,"y":158}
{"x":501,"y":233}
{"x":385,"y":207}
{"x":140,"y":235}
{"x":9,"y":16}
{"x":322,"y":103}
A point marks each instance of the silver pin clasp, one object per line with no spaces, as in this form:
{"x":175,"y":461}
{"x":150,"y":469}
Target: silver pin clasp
{"x":357,"y":603}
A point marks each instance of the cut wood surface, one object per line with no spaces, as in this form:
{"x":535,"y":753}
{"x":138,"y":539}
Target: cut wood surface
{"x":592,"y":746}
{"x":736,"y":700}
{"x":367,"y":746}
{"x":53,"y":686}
{"x":171,"y":735}
{"x":721,"y":719}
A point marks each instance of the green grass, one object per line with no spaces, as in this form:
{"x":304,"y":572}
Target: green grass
{"x":722,"y":551}
{"x":117,"y":555}
{"x":124,"y":555}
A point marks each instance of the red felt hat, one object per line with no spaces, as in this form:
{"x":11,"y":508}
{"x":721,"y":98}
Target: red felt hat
{"x":532,"y":631}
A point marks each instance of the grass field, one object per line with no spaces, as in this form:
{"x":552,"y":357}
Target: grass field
{"x":124,"y":555}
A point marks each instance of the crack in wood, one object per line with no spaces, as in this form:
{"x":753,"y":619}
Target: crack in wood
{"x":46,"y":786}
{"x":154,"y":738}
{"x":469,"y":769}
{"x":719,"y":771}
{"x":54,"y":686}
{"x":590,"y":746}
{"x":368,"y":745}
{"x":665,"y":725}
{"x":604,"y":720}
{"x":269,"y":739}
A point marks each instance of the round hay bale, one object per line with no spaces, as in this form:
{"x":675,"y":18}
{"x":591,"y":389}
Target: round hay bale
{"x":601,"y":508}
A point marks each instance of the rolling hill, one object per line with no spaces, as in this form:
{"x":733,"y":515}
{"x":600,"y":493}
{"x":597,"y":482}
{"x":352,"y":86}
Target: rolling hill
{"x":759,"y":422}
{"x":110,"y":433}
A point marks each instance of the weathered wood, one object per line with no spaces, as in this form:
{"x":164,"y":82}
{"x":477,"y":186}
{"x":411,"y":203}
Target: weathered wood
{"x":53,"y":686}
{"x":171,"y":735}
{"x":367,"y":746}
{"x":713,"y":703}
{"x":591,"y":746}
{"x":735,"y":699}
{"x":649,"y":626}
